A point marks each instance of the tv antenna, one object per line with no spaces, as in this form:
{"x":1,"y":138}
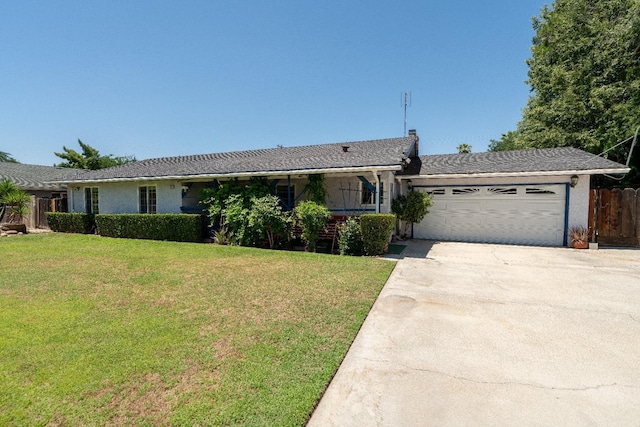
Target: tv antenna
{"x":405,"y":101}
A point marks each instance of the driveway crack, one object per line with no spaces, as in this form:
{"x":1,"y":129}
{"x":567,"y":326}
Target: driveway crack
{"x":533,"y":385}
{"x":493,"y":252}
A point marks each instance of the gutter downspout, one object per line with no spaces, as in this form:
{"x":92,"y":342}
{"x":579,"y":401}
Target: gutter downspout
{"x":377,"y":178}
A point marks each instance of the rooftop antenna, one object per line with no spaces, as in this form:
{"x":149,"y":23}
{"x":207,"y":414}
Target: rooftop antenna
{"x":405,"y":100}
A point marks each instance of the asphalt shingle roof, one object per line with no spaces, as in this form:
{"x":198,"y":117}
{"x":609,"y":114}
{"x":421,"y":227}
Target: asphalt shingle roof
{"x":34,"y":177}
{"x":542,"y":160}
{"x":374,"y":153}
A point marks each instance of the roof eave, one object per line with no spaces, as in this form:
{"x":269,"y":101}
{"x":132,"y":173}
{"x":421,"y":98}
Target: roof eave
{"x":362,"y":169}
{"x":617,"y":171}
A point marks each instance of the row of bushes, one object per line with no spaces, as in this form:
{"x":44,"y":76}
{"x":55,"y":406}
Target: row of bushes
{"x":250,"y":215}
{"x":174,"y":227}
{"x":71,"y":222}
{"x":367,"y":234}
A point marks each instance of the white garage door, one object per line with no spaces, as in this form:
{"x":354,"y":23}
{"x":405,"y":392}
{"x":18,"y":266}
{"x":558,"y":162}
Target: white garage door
{"x":517,"y":214}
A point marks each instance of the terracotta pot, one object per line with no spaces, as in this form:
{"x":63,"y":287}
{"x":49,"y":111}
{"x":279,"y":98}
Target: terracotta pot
{"x":580,"y":244}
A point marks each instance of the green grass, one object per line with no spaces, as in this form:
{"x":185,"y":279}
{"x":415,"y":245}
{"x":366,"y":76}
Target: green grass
{"x":100,"y":331}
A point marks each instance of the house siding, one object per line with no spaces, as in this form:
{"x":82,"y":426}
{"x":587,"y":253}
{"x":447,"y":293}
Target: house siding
{"x":579,"y":202}
{"x":122,"y":197}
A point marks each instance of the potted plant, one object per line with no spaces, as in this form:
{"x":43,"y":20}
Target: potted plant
{"x":579,"y":236}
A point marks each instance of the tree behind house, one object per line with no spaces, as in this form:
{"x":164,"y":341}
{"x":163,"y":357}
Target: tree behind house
{"x":90,"y":158}
{"x":464,"y":148}
{"x":6,"y":157}
{"x":584,"y":75}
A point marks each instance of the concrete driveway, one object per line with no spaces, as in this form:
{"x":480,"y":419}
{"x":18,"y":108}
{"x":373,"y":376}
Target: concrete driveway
{"x":475,"y":334}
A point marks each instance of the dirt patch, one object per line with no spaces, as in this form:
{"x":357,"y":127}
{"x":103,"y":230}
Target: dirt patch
{"x":152,"y":399}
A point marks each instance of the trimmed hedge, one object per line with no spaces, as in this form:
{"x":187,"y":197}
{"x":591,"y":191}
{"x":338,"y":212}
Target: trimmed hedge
{"x":376,"y":230}
{"x":173,"y":227}
{"x":66,"y":222}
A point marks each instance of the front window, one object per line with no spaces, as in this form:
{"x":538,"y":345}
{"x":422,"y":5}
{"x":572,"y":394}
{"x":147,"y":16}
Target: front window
{"x":91,"y":200}
{"x":286,"y":194}
{"x":368,"y":196}
{"x":148,"y":199}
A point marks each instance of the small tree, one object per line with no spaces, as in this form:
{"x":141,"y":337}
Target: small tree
{"x":312,"y":218}
{"x":411,"y":208}
{"x":13,"y":199}
{"x":267,"y":219}
{"x":6,"y":187}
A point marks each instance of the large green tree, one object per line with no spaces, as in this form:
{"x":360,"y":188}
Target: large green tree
{"x":90,"y":158}
{"x":584,"y":75}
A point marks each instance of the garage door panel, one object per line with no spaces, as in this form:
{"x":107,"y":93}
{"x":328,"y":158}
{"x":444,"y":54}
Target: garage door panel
{"x":532,"y":215}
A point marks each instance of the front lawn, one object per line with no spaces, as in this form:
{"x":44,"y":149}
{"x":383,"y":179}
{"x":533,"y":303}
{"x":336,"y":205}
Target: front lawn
{"x":98,"y":331}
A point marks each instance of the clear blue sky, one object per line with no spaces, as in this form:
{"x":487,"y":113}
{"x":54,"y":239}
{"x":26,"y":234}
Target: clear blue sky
{"x":164,"y":78}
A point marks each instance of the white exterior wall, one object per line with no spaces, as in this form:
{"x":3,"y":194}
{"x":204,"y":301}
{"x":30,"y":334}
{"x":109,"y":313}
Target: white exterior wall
{"x":122,"y":197}
{"x":578,"y":196}
{"x":579,"y":202}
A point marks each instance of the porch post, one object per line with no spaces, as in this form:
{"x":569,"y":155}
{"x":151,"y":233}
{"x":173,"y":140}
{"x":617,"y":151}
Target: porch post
{"x":377,"y":177}
{"x":289,"y":201}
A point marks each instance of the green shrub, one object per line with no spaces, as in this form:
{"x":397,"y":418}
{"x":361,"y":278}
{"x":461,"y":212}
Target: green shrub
{"x":173,"y":227}
{"x":222,"y":236}
{"x":217,"y":199}
{"x":66,"y":222}
{"x":376,"y":230}
{"x":350,"y":237}
{"x":312,"y":218}
{"x":235,"y":217}
{"x":266,"y":219}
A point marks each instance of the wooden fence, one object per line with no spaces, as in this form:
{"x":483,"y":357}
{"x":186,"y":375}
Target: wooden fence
{"x":615,"y":216}
{"x":38,"y":206}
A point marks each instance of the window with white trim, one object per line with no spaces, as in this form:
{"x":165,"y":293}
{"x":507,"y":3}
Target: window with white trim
{"x":368,"y":196}
{"x":91,"y":202}
{"x":147,"y":197}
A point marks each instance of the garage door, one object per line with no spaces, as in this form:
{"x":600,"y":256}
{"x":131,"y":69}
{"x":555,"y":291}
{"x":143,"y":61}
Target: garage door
{"x":517,"y":214}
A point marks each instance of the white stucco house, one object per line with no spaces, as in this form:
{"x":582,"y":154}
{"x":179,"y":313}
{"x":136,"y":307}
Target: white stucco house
{"x":527,"y":197}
